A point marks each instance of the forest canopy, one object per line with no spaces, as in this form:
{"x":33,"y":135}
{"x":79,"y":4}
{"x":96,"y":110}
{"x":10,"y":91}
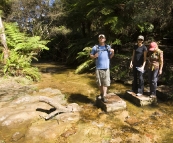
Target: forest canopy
{"x":72,"y":25}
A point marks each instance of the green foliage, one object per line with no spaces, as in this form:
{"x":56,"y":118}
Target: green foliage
{"x":32,"y":73}
{"x":117,"y":42}
{"x":75,"y":50}
{"x":1,"y":54}
{"x":85,"y":53}
{"x":84,"y":66}
{"x":5,"y":7}
{"x":141,"y":28}
{"x":22,"y":49}
{"x":84,"y":57}
{"x":146,"y":27}
{"x":21,"y":42}
{"x":39,"y":18}
{"x":60,"y":30}
{"x":20,"y":65}
{"x":74,"y":24}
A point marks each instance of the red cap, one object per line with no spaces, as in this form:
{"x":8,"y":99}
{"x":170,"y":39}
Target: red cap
{"x":152,"y":46}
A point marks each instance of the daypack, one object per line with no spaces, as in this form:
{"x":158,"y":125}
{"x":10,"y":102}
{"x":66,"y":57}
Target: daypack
{"x":106,"y":48}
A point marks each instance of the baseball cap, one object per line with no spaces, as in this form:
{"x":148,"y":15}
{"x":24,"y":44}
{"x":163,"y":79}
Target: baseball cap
{"x":152,"y":46}
{"x":101,"y":35}
{"x":141,"y":37}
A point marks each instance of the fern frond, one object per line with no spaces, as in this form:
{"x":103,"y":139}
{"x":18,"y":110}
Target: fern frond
{"x":32,"y":73}
{"x":83,"y":66}
{"x":84,"y":53}
{"x":22,"y":50}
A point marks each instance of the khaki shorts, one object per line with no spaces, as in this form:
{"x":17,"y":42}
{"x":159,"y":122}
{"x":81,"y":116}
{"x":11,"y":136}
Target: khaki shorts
{"x":103,"y":77}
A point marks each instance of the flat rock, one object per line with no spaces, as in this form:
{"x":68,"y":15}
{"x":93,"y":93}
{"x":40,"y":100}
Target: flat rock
{"x":139,"y":100}
{"x":114,"y":103}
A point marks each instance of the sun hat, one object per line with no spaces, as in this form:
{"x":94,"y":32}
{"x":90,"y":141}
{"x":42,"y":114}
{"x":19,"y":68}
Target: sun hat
{"x":141,"y":37}
{"x":152,"y":46}
{"x":101,"y":35}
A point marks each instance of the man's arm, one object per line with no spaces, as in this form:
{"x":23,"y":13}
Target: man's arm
{"x":112,"y":53}
{"x":94,"y":56}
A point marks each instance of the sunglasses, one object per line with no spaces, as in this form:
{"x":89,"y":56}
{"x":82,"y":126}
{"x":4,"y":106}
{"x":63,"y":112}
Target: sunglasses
{"x":140,"y":40}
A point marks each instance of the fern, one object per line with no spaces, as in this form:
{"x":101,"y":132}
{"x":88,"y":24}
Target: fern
{"x":32,"y":73}
{"x":84,"y":66}
{"x":84,"y":57}
{"x":84,"y":53}
{"x":23,"y":49}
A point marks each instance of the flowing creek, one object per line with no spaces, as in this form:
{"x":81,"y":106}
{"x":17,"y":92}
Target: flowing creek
{"x":135,"y":124}
{"x":148,"y":124}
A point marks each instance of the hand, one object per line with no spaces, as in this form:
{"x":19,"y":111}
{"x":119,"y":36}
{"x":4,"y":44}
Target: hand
{"x":111,"y":50}
{"x":96,"y":55}
{"x":160,"y":72}
{"x":131,"y":65}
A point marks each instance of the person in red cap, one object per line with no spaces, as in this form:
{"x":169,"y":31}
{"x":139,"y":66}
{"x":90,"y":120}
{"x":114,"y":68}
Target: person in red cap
{"x":155,"y":65}
{"x":138,"y":63}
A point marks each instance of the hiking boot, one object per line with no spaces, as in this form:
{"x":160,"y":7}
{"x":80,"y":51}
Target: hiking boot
{"x":104,"y":99}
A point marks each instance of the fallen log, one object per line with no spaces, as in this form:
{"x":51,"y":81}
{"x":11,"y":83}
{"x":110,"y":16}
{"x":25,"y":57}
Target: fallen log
{"x":59,"y":108}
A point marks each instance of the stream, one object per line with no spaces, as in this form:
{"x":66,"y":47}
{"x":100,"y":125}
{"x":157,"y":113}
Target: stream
{"x":135,"y":124}
{"x":21,"y":115}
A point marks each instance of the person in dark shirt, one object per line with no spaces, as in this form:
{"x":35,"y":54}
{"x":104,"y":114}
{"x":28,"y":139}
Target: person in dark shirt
{"x":138,"y":63}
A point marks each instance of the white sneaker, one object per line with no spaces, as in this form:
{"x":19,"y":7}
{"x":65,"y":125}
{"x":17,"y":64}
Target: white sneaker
{"x":138,"y":94}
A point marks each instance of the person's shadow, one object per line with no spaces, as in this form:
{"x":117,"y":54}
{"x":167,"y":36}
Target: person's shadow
{"x":79,"y":98}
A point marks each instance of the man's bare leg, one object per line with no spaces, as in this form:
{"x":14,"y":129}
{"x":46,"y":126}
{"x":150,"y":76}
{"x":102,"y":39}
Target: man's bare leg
{"x":103,"y":90}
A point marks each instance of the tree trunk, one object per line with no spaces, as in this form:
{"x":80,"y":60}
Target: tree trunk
{"x":3,"y":41}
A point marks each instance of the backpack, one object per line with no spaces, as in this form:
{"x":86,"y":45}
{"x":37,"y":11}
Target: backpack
{"x":107,"y":49}
{"x":97,"y":48}
{"x":106,"y":46}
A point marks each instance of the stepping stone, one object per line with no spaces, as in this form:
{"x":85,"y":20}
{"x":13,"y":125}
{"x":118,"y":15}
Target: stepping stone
{"x":139,"y":100}
{"x":114,"y":103}
{"x":164,"y":92}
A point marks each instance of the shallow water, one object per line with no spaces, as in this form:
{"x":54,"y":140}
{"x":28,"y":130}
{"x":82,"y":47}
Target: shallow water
{"x":135,"y":124}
